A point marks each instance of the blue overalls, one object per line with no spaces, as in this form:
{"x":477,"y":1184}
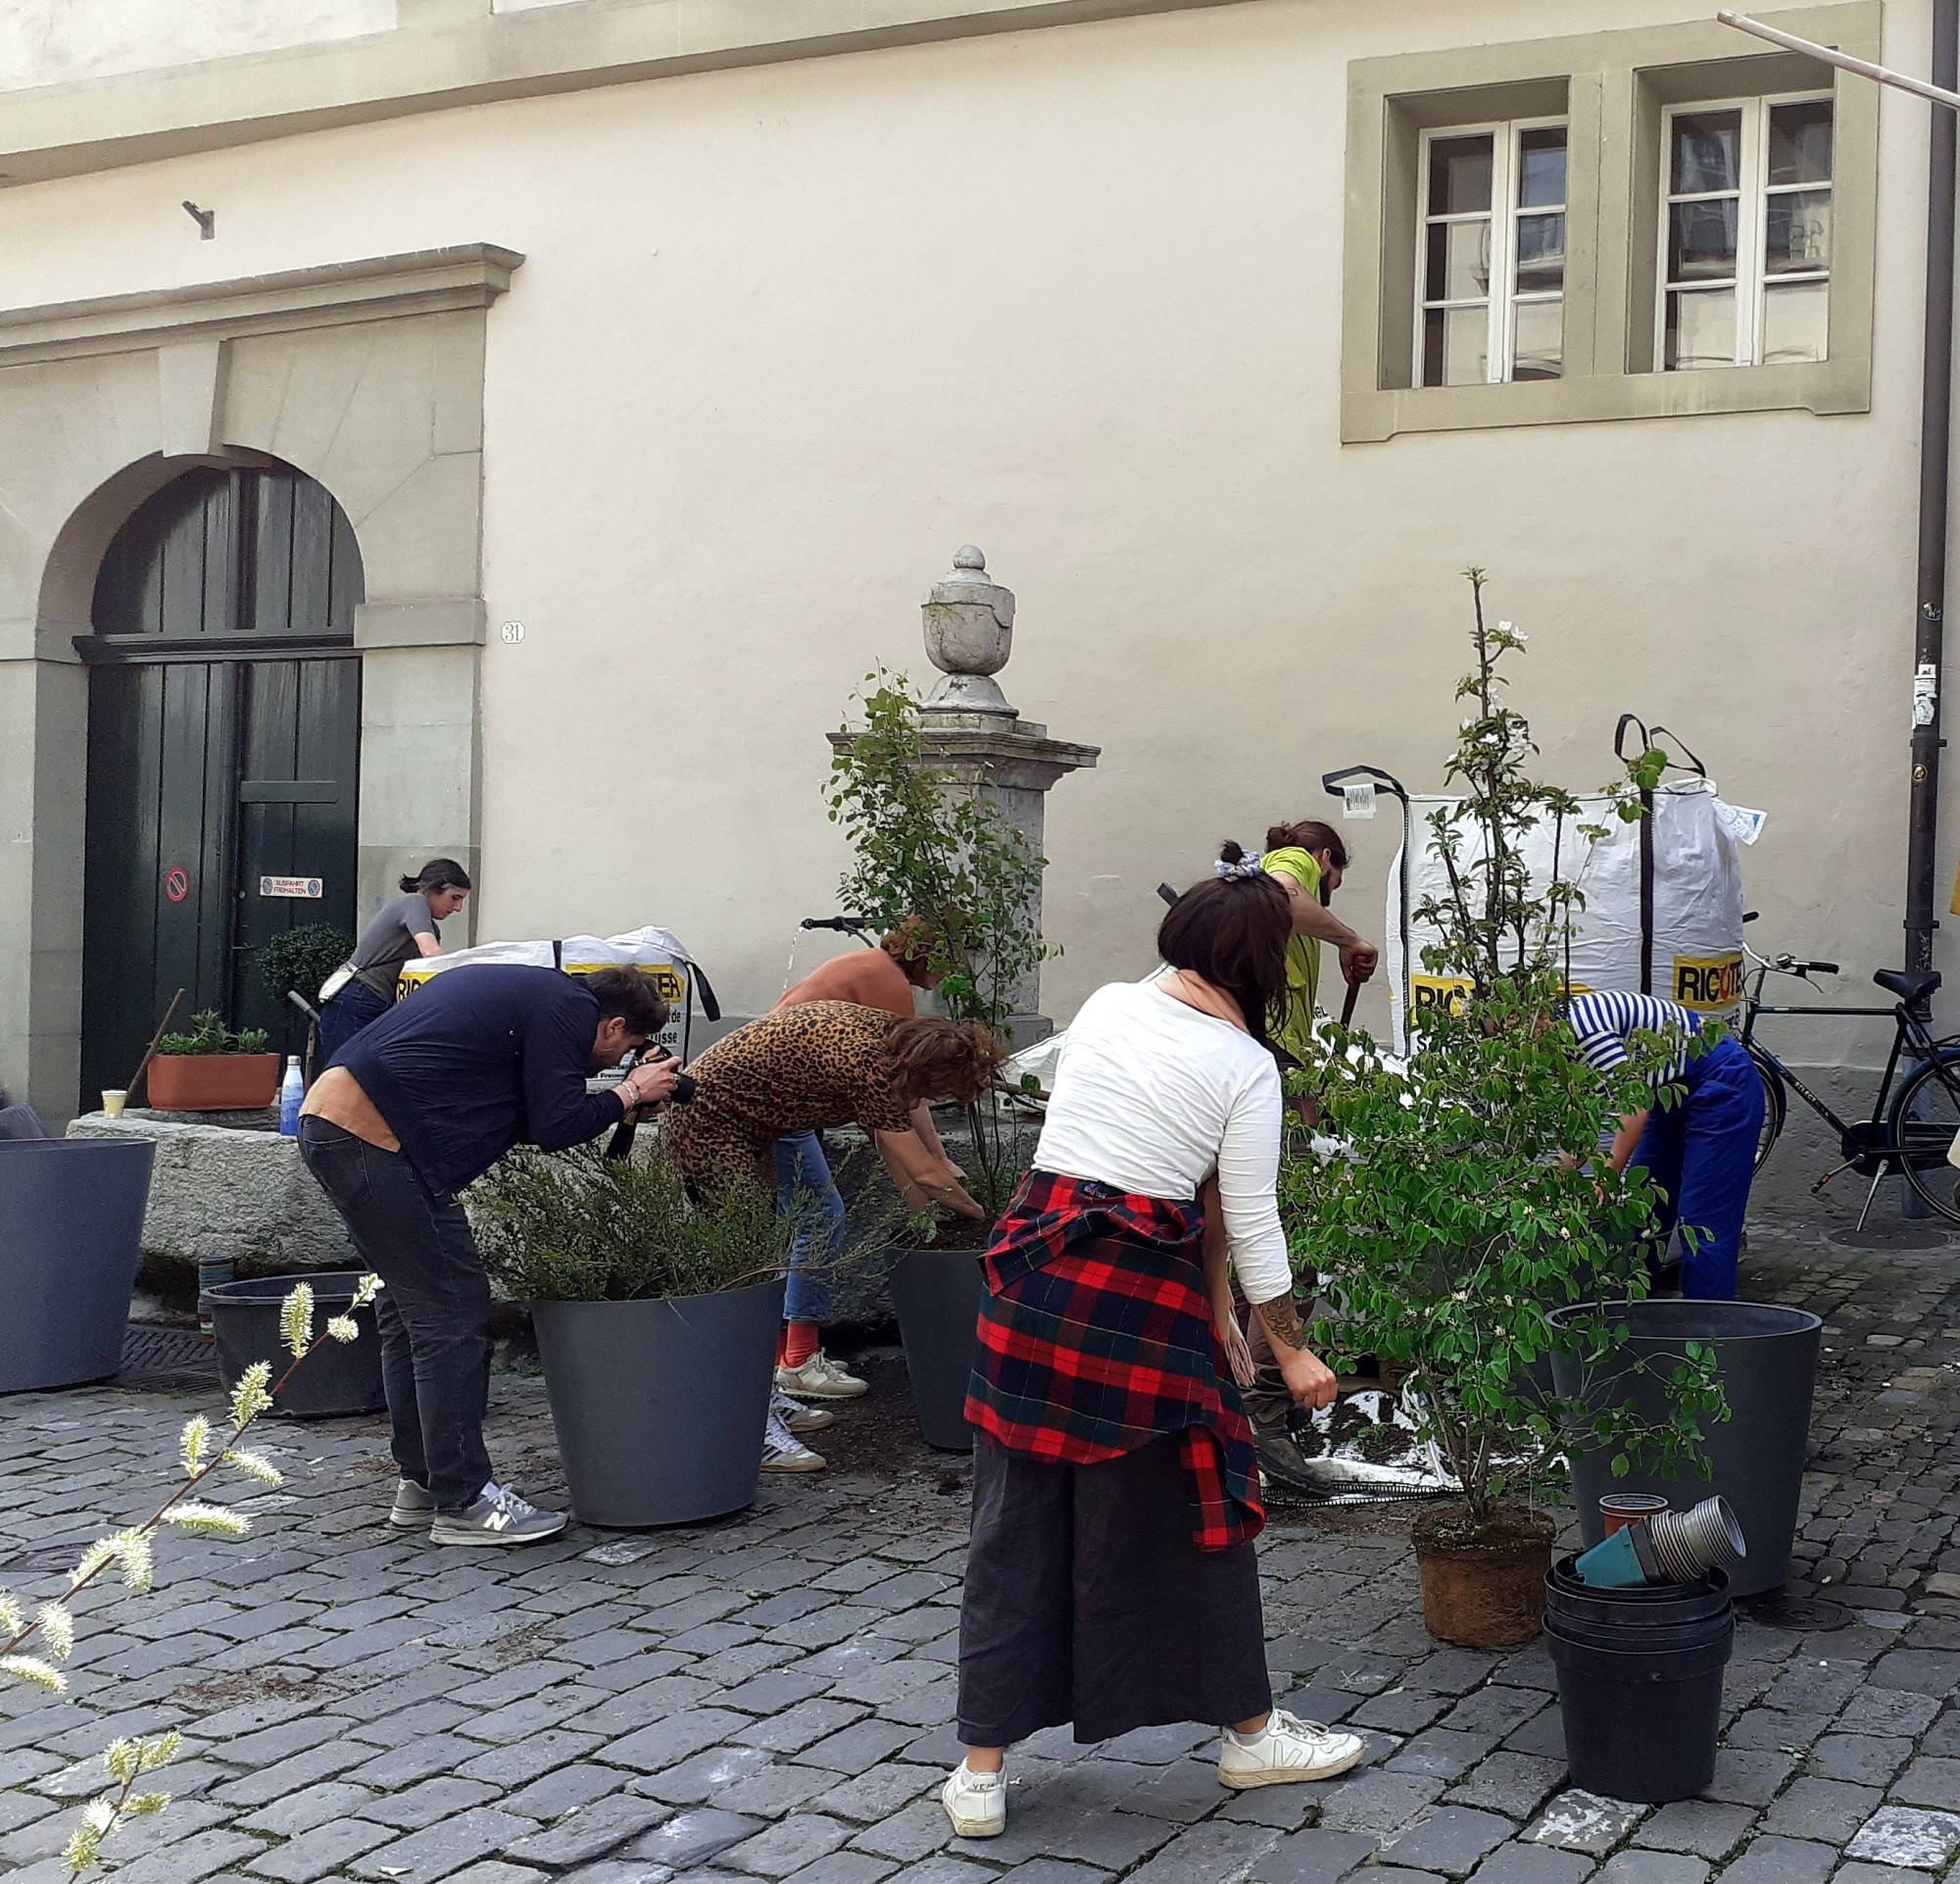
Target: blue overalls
{"x":1702,"y":1155}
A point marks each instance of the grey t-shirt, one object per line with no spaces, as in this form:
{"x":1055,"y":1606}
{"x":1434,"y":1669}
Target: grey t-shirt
{"x":390,"y":939}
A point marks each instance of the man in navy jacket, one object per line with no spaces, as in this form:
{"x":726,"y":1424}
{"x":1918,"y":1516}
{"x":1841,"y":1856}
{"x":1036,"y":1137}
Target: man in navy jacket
{"x":417,"y":1105}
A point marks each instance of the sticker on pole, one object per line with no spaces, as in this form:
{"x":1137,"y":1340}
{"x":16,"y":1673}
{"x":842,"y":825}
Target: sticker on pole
{"x":176,"y":883}
{"x":307,"y":886}
{"x":1357,"y":801}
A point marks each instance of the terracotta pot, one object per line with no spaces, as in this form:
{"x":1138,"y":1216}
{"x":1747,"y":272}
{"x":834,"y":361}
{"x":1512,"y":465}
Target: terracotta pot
{"x":1482,"y":1589}
{"x":213,"y":1082}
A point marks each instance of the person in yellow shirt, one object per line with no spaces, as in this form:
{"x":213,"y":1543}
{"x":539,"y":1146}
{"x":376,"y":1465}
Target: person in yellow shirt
{"x":1308,"y":859}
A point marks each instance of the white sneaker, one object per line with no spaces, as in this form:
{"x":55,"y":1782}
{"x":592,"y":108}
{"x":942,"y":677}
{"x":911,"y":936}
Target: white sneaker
{"x":784,"y":1452}
{"x":820,"y":1379}
{"x":798,"y":1417}
{"x":976,"y":1803}
{"x":1288,"y":1749}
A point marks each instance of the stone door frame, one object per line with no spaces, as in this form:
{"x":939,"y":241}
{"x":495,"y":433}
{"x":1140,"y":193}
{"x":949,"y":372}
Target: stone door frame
{"x":368,"y":377}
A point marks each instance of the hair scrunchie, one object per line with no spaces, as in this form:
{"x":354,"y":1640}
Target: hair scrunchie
{"x":1245,"y":866}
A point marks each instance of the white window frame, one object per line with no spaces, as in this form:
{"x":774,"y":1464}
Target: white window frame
{"x":1500,"y":347}
{"x":1752,"y":281}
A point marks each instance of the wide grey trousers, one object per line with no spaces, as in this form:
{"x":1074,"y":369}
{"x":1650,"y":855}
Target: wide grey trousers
{"x":1088,"y":1602}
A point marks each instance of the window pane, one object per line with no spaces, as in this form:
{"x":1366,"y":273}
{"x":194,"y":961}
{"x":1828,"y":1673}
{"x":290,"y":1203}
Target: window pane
{"x":1460,"y":261}
{"x":1701,"y":330}
{"x":1795,"y":322}
{"x":1800,"y":143}
{"x":1459,"y":175}
{"x":1797,"y":232}
{"x":1455,"y":347}
{"x":1541,"y":166}
{"x":1707,"y":150}
{"x":1540,"y":253}
{"x":1702,"y":239}
{"x":1538,"y":340}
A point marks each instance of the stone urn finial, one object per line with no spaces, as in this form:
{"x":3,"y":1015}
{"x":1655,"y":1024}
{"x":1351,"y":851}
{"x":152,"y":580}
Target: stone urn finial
{"x":969,"y":634}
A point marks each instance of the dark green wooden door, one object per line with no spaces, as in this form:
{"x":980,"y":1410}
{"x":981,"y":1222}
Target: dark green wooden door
{"x":223,"y":736}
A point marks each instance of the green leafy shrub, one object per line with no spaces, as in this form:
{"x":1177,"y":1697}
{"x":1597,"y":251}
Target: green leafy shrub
{"x":1463,"y":1204}
{"x":298,"y":960}
{"x":210,"y":1034}
{"x":578,"y":1226}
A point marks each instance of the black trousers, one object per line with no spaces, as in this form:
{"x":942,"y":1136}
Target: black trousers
{"x":1089,"y":1602}
{"x":433,"y":1315}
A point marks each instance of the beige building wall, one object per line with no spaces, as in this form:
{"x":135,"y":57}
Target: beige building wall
{"x":786,"y":336}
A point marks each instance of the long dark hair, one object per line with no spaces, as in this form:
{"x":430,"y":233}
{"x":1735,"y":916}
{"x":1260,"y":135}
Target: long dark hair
{"x":1309,"y":835}
{"x":439,"y":874}
{"x":1233,"y":933}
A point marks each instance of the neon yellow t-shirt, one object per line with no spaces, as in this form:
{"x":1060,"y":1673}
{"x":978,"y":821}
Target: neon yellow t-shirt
{"x":1289,"y":1025}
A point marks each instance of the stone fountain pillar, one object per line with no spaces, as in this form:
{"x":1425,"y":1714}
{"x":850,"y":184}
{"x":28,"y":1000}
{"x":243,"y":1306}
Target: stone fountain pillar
{"x":980,"y":743}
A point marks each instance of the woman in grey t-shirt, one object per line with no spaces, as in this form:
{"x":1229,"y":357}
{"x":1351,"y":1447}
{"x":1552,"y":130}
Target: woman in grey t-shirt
{"x":404,"y":929}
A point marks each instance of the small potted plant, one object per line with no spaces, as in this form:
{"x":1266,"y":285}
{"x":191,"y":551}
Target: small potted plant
{"x":1461,"y":1210}
{"x":656,"y":1320}
{"x":951,"y":859}
{"x":212,"y":1070}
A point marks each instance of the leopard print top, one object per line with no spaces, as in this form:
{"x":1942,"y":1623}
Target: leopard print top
{"x":797,"y":1069}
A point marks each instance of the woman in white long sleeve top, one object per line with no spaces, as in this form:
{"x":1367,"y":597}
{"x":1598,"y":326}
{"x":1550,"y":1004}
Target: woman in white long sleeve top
{"x":1111,"y":1581}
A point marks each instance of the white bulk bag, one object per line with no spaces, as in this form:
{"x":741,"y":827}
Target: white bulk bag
{"x":1663,"y":897}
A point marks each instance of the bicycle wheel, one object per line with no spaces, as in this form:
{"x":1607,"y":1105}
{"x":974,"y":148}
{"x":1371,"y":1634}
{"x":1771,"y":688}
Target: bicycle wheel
{"x":1925,"y":1121}
{"x":1776,"y":1107}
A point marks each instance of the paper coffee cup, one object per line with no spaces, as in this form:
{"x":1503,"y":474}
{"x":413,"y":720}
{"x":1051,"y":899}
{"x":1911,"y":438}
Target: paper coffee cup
{"x":113,"y":1103}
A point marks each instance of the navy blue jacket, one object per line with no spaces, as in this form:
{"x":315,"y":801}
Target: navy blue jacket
{"x":480,"y":1058}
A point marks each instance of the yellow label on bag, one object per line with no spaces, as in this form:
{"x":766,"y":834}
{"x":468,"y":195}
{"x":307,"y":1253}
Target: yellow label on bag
{"x":1708,"y":984}
{"x":1429,"y":992}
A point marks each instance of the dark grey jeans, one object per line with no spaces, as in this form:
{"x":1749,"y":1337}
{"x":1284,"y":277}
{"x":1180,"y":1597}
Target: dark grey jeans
{"x":433,"y":1315}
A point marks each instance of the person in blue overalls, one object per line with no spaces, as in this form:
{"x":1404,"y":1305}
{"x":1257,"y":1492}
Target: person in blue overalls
{"x":1699,"y":1152}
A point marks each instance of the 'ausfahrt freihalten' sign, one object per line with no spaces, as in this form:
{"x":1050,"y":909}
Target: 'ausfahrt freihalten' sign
{"x":289,"y":886}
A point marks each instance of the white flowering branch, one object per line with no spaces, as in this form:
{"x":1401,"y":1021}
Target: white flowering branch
{"x":50,"y":1629}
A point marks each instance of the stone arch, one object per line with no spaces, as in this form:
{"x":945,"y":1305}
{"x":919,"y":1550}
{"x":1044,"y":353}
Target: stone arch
{"x":366,"y":376}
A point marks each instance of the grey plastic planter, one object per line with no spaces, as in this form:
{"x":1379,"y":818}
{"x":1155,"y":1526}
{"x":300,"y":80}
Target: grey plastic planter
{"x":1767,"y":1357}
{"x":71,"y":1232}
{"x":937,"y":1294}
{"x":659,"y":1405}
{"x":339,"y":1378}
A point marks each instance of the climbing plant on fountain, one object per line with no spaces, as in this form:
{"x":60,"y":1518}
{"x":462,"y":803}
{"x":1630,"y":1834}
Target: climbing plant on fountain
{"x":950,"y":859}
{"x":1463,"y":1204}
{"x":33,"y":1643}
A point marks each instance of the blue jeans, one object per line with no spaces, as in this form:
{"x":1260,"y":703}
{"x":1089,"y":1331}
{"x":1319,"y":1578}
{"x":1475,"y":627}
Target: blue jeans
{"x":1702,"y":1155}
{"x":805,"y":1193}
{"x":342,"y":1017}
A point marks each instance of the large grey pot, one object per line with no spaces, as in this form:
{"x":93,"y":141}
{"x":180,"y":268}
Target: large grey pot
{"x":659,"y":1405}
{"x":1767,"y":1357}
{"x":70,"y":1234}
{"x":937,"y":1294}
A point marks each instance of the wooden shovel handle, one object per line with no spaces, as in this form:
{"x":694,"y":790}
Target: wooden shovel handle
{"x":148,"y":1052}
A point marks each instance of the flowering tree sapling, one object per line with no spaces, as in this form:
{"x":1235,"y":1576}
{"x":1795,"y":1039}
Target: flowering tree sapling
{"x":31,"y":1645}
{"x":1465,"y":1204}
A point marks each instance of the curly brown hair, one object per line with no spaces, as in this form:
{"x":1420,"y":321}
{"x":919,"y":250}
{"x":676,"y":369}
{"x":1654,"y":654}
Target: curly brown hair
{"x":954,"y":1060}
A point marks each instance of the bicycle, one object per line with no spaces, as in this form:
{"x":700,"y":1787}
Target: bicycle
{"x":1910,"y":1132}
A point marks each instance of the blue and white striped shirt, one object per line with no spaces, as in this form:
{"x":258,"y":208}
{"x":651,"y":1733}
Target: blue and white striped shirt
{"x":1603,"y":1024}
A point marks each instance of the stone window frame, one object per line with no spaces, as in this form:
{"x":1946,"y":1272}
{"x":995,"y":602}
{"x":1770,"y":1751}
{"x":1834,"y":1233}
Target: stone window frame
{"x":1612,"y":89}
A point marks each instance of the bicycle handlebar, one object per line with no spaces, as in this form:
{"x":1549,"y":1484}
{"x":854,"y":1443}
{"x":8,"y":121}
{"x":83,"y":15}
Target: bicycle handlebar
{"x":1820,"y":967}
{"x":843,"y":925}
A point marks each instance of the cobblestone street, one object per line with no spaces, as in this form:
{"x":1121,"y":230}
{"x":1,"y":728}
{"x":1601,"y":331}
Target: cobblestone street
{"x":769,"y":1697}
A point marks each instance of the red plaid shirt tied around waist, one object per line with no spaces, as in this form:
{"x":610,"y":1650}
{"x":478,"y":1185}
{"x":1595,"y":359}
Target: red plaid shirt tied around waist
{"x":1096,"y":1338}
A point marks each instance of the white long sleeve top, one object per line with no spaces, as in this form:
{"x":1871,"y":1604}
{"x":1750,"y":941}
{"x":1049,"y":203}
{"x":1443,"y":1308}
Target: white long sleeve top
{"x":1154,"y":1097}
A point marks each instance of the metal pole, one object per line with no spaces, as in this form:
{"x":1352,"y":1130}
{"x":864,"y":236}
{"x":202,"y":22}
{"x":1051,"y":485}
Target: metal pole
{"x":1831,"y":56}
{"x":1936,"y":429}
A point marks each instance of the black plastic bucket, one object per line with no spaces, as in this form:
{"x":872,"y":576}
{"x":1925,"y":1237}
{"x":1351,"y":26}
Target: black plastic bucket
{"x":938,"y":1295}
{"x":659,"y":1405}
{"x":338,"y":1377}
{"x":1640,"y":1682}
{"x":1766,"y":1355}
{"x":70,"y":1234}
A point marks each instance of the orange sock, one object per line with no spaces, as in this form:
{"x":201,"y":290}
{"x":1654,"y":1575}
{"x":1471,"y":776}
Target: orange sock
{"x":798,"y":1342}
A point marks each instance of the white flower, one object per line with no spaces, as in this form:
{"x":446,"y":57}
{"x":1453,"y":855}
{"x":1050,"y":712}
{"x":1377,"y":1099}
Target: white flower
{"x":83,"y":1850}
{"x":195,"y":1444}
{"x":31,"y":1668}
{"x":255,"y":1466}
{"x":13,"y":1618}
{"x":134,"y":1558}
{"x":57,"y":1627}
{"x":367,"y":1289}
{"x":161,"y":1751}
{"x":123,"y":1759}
{"x":249,"y":1399}
{"x":296,"y":1319}
{"x":144,"y":1805}
{"x":207,"y":1520}
{"x":342,"y":1328}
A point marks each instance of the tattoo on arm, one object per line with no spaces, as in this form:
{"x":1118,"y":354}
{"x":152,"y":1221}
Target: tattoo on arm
{"x":1281,"y":1320}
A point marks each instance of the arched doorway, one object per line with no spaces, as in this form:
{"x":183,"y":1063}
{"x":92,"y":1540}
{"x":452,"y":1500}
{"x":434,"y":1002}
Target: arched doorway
{"x":224,"y":751}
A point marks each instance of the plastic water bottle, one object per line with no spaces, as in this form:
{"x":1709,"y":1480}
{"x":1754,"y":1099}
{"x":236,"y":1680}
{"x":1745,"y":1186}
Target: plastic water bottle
{"x":292,"y":1093}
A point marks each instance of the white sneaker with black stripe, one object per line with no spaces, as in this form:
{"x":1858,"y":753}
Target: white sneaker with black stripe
{"x":798,"y":1417}
{"x":499,"y":1517}
{"x":784,"y":1452}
